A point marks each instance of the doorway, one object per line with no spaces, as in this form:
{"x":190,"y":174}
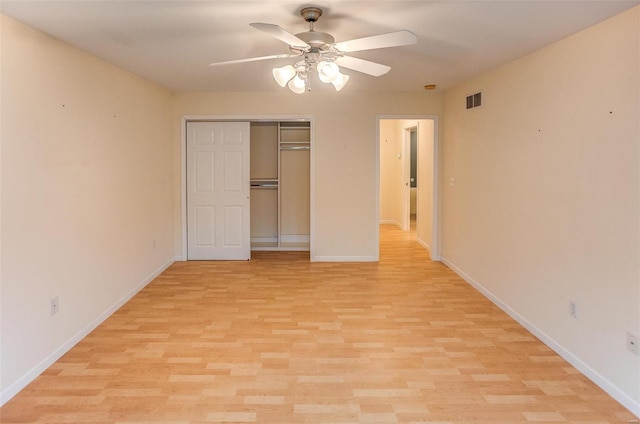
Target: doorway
{"x":407,"y":190}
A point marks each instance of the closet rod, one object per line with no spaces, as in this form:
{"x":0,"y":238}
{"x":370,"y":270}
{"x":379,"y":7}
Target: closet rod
{"x":295,"y":148}
{"x":264,"y":184}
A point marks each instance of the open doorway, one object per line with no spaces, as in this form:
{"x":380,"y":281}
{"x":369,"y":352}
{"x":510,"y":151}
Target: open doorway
{"x":408,"y":177}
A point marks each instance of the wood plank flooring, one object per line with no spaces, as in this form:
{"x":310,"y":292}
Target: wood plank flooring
{"x":282,"y":340}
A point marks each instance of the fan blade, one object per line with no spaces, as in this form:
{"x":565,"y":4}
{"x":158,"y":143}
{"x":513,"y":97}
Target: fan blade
{"x":364,"y":66}
{"x":280,"y":34}
{"x":254,"y":59}
{"x":392,"y":39}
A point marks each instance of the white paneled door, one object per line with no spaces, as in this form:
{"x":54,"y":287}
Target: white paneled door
{"x":218,"y":191}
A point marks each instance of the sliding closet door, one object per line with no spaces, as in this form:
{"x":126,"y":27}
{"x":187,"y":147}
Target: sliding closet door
{"x":218,"y":191}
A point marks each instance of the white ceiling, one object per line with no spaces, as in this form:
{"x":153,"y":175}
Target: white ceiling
{"x":172,"y":42}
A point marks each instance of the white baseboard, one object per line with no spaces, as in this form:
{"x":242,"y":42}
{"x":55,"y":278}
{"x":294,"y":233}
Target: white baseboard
{"x":423,"y":244}
{"x":593,"y":375}
{"x":31,"y":375}
{"x":344,"y":259}
{"x":390,"y":221}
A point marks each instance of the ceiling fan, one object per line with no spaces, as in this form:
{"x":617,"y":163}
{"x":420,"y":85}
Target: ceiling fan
{"x":319,"y":52}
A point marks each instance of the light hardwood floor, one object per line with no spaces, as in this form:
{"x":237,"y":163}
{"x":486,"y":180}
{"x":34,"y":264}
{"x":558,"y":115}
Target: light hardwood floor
{"x":282,"y":340}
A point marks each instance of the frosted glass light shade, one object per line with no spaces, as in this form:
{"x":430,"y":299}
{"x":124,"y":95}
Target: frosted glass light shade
{"x":340,"y":81}
{"x":283,"y":75}
{"x":297,"y":85}
{"x":327,"y":71}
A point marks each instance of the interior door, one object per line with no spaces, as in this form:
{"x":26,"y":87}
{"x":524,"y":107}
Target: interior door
{"x":218,"y":225}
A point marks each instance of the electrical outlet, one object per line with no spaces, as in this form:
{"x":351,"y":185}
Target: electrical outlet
{"x":55,"y":305}
{"x":633,"y":343}
{"x":573,"y":309}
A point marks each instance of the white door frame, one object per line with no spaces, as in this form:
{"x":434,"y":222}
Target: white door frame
{"x":434,"y":252}
{"x":245,"y":118}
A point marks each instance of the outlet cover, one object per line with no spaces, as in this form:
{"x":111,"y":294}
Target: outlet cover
{"x":573,"y":309}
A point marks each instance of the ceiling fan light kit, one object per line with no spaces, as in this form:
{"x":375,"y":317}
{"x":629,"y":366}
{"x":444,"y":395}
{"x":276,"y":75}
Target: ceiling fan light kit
{"x":327,"y":71}
{"x":283,"y":75}
{"x":340,"y":81}
{"x":320,"y":53}
{"x":298,"y":76}
{"x":298,"y":84}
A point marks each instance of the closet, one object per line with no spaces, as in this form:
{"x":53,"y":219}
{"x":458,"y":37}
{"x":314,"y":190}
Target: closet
{"x":280,"y":178}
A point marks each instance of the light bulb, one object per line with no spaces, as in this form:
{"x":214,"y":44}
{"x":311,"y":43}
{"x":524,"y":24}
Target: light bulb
{"x":283,"y":75}
{"x":340,"y":81}
{"x":327,"y":71}
{"x":297,"y":84}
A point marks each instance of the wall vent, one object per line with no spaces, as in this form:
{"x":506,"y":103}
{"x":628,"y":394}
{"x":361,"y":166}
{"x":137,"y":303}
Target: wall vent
{"x":474,"y":100}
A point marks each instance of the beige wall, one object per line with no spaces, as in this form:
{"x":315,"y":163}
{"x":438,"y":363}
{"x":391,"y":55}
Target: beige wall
{"x":344,"y":155}
{"x":86,"y":195}
{"x":546,"y":203}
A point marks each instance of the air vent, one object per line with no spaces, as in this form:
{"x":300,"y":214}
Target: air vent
{"x":474,"y":100}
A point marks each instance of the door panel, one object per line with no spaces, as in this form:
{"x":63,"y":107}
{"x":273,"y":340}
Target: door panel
{"x":218,"y":191}
{"x":205,"y":218}
{"x":232,"y":178}
{"x":234,"y":230}
{"x":205,"y":171}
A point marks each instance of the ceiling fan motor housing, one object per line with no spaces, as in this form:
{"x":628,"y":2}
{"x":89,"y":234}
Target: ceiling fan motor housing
{"x":316,"y":39}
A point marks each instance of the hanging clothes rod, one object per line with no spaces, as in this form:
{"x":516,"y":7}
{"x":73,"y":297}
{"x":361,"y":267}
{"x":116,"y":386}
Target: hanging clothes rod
{"x":295,"y":148}
{"x":264,"y":184}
